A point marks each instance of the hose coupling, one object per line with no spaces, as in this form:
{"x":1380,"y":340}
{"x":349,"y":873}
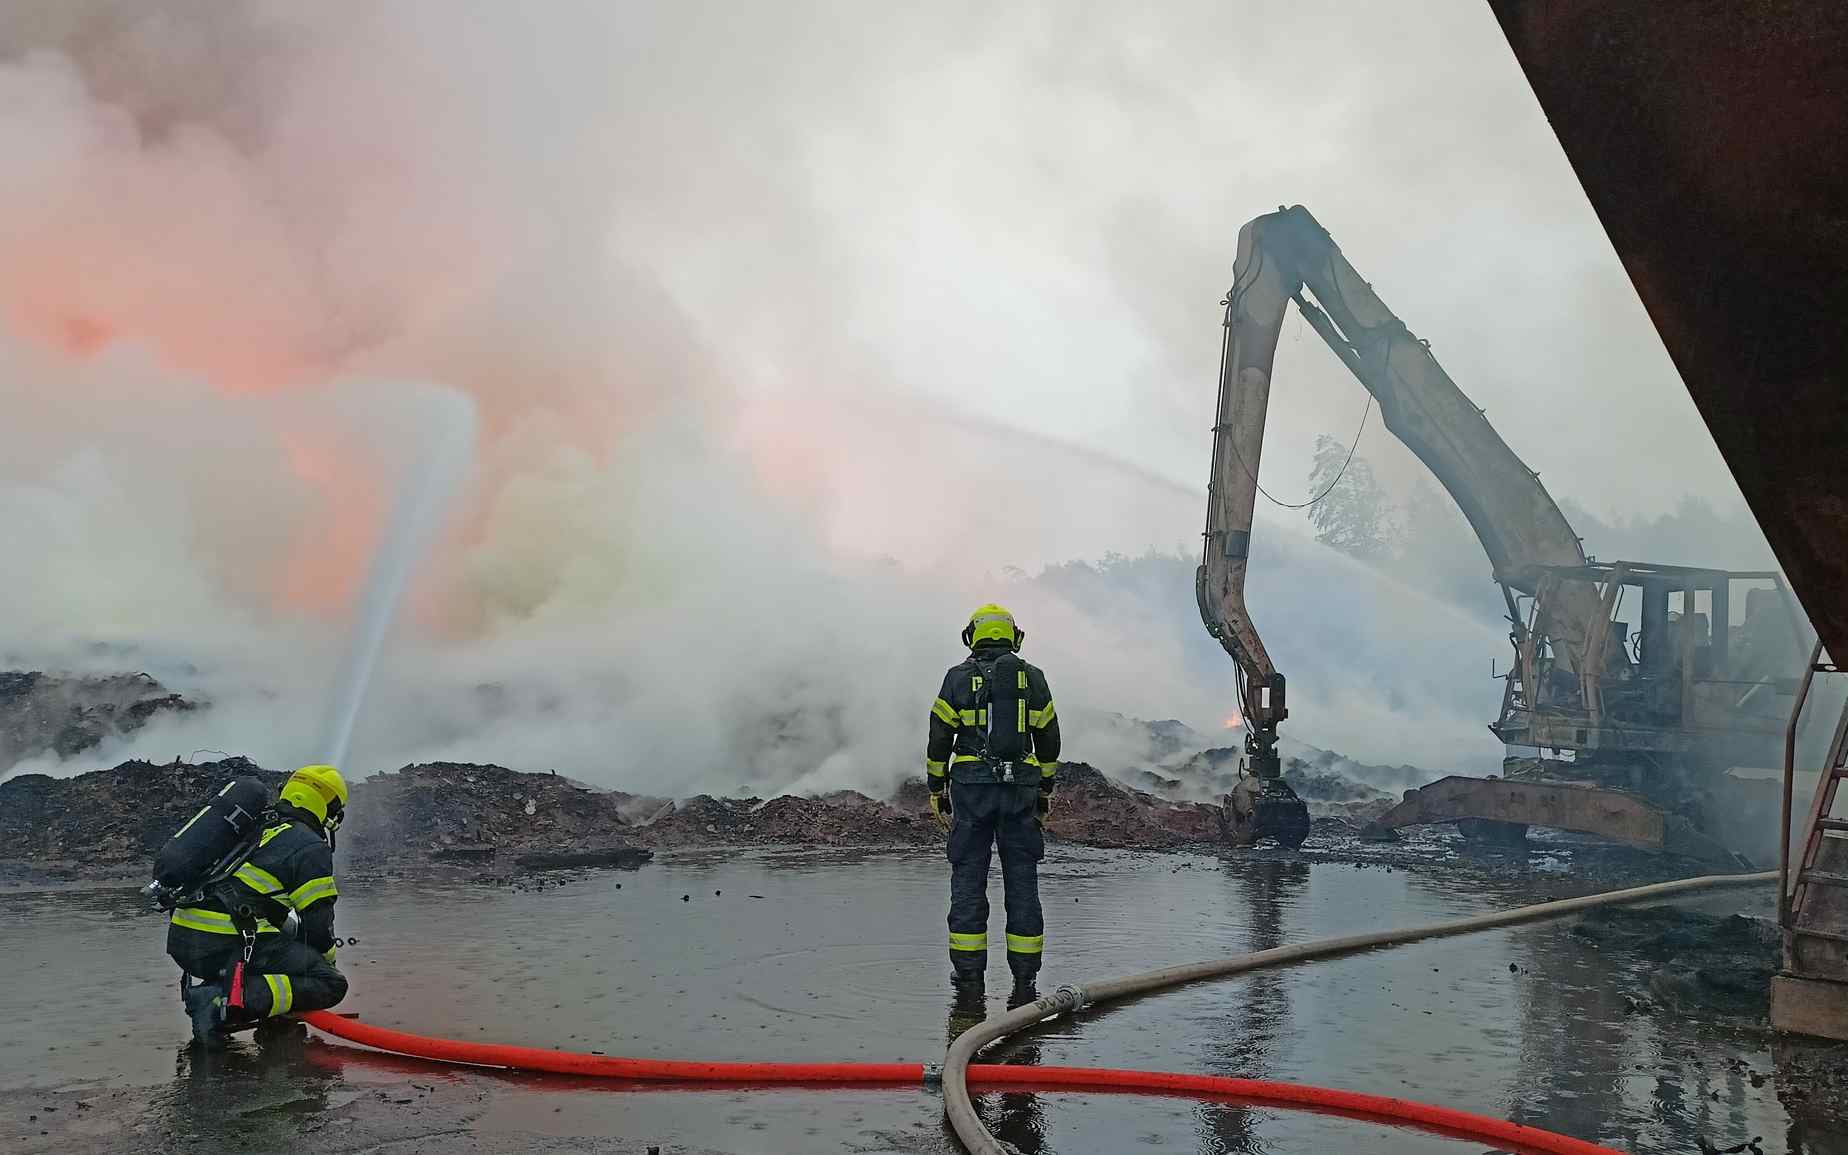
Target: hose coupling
{"x":933,"y":1074}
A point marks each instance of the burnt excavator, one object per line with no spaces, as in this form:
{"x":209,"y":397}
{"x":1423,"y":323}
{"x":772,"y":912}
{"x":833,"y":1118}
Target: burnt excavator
{"x":1631,"y":729}
{"x":1708,"y":139}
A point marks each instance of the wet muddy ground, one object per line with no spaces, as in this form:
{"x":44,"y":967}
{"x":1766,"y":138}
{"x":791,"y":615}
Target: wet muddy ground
{"x":810,"y":955}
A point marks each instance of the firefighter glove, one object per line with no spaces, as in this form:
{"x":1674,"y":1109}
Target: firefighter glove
{"x":940,"y":808}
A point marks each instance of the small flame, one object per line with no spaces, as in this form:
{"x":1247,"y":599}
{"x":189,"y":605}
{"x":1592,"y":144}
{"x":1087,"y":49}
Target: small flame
{"x":1234,"y":720}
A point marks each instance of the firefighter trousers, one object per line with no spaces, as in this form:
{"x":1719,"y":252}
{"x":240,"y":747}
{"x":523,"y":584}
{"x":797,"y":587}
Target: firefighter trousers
{"x":989,"y":816}
{"x":283,"y":974}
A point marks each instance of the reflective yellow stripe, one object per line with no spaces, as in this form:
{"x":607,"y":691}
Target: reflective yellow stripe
{"x":212,"y":921}
{"x":1026,"y":943}
{"x":312,"y":891}
{"x":1048,"y":769}
{"x":282,"y":993}
{"x":933,"y":768}
{"x":198,"y":918}
{"x":259,"y":879}
{"x":1020,"y":724}
{"x":1038,"y":718}
{"x":976,"y":941}
{"x":956,"y":759}
{"x":944,"y":710}
{"x":271,"y":833}
{"x":199,"y":815}
{"x":329,"y":955}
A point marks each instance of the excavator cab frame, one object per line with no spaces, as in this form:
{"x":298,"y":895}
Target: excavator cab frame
{"x":1672,"y":683}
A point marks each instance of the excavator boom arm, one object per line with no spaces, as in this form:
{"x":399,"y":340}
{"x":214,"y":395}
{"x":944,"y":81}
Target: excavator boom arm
{"x":1255,"y":309}
{"x":1286,"y":257}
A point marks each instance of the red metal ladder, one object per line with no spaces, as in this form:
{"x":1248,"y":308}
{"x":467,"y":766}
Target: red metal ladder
{"x":1794,"y":893}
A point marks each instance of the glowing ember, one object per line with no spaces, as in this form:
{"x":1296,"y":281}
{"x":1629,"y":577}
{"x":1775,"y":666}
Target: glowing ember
{"x":1234,"y":720}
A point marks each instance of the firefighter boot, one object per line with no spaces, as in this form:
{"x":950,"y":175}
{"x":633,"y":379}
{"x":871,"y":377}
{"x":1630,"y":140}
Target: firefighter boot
{"x":205,"y":1004}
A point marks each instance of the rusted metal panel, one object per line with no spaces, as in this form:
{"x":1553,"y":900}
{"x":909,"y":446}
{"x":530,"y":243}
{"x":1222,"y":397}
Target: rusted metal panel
{"x":1809,"y":1007}
{"x":1708,"y":137}
{"x":1613,"y":814}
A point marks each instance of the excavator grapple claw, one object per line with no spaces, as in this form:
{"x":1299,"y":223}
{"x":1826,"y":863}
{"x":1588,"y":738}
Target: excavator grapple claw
{"x":1265,"y":809}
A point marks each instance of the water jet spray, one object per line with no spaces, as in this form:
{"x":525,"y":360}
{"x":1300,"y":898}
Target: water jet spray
{"x":428,"y":486}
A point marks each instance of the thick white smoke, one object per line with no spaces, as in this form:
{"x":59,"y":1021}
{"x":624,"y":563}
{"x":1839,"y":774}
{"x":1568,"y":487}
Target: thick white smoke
{"x":791,"y":329}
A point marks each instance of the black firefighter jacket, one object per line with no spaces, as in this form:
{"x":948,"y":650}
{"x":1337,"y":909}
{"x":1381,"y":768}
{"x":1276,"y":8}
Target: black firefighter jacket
{"x":993,"y":721}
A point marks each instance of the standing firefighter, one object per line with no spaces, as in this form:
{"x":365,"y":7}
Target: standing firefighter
{"x":260,"y":942}
{"x":993,"y":754}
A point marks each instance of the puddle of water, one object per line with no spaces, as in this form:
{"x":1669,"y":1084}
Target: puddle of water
{"x":817,"y":956}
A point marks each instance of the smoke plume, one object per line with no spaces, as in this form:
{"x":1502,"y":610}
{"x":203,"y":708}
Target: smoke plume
{"x":794,"y":331}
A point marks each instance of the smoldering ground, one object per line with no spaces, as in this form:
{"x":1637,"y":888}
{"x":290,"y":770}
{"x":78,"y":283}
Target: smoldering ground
{"x":789,"y":332}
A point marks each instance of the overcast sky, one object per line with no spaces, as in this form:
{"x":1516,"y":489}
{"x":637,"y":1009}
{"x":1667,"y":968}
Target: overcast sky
{"x":1028,"y":218}
{"x":1038,"y":217}
{"x":833,"y":282}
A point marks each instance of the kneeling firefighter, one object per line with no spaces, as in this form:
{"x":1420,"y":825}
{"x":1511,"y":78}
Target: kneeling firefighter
{"x":254,"y":927}
{"x":992,"y":762}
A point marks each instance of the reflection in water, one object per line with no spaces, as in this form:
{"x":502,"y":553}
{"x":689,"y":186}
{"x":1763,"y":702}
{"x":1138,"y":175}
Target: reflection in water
{"x":1262,"y":1012}
{"x":1017,"y":1118}
{"x":245,"y":1088}
{"x":1595,"y":1061}
{"x":1594,"y":1064}
{"x":1575,"y":1042}
{"x":768,"y":957}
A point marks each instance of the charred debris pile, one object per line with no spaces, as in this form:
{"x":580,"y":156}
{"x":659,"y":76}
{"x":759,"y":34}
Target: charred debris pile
{"x":1687,"y":962}
{"x":64,"y":715}
{"x":108,"y":823}
{"x":460,"y":812}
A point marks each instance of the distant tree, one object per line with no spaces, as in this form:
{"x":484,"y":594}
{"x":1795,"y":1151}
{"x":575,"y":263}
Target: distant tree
{"x":1354,"y":513}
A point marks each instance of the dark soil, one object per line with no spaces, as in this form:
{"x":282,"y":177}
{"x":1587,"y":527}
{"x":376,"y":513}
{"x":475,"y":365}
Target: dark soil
{"x":616,"y":858}
{"x":844,"y":818}
{"x":458,"y":811}
{"x":1812,"y":1080}
{"x":108,"y":823}
{"x":1094,"y":810}
{"x":1692,"y":963}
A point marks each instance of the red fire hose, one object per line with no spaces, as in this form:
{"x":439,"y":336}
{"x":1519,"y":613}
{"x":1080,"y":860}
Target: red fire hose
{"x":1262,"y":1092}
{"x":957,"y":1070}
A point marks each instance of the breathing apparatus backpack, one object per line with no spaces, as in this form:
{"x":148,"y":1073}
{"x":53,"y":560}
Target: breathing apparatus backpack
{"x":203,"y":854}
{"x":1002,"y":691}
